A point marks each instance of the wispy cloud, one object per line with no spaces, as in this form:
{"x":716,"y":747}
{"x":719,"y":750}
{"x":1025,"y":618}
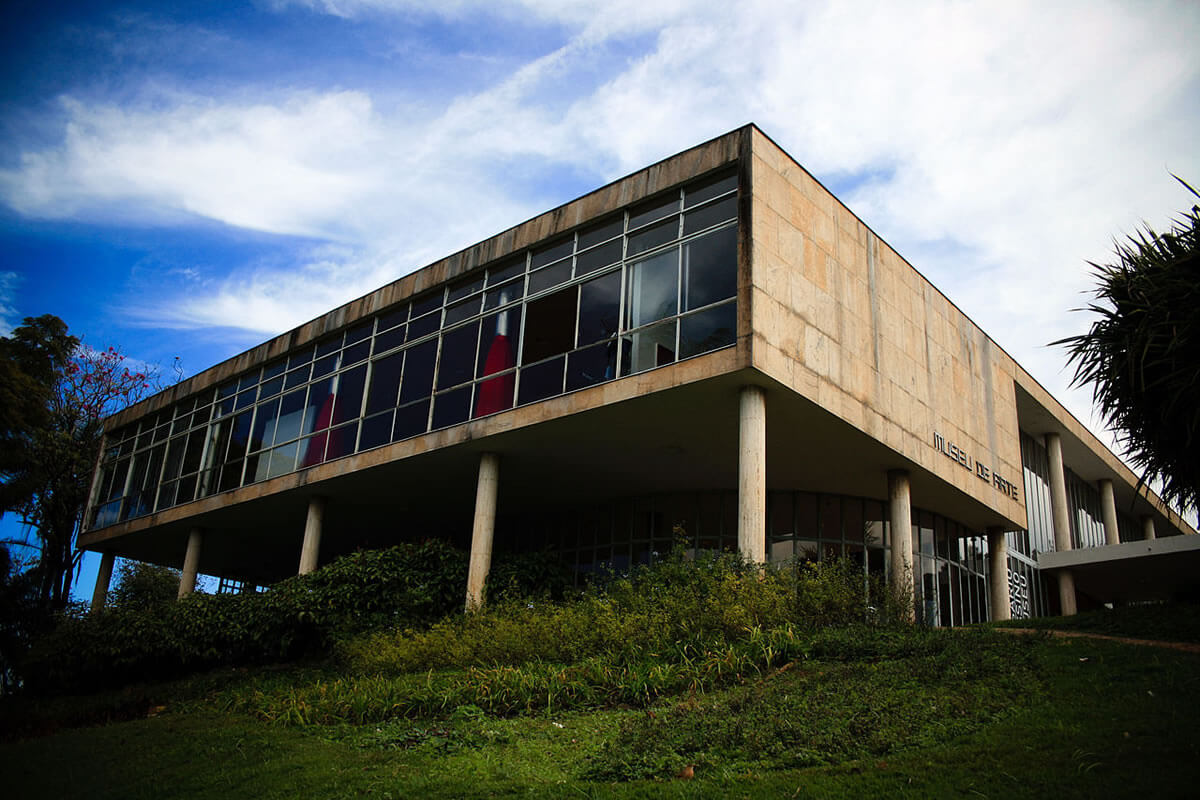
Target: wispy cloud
{"x":8,"y":311}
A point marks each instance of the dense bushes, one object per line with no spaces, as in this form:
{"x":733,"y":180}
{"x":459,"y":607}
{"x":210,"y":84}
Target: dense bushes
{"x":376,"y":609}
{"x":671,"y":608}
{"x":409,"y":586}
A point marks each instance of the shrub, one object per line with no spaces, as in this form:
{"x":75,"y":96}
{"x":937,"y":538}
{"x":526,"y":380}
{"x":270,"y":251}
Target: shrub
{"x":409,"y":585}
{"x":665,"y":608}
{"x":142,"y":585}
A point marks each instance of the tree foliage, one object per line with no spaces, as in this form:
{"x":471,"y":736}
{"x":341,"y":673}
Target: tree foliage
{"x":144,"y":586}
{"x":1142,"y":353}
{"x":54,"y":394}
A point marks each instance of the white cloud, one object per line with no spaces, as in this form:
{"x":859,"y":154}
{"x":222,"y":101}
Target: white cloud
{"x":998,"y":146}
{"x":8,"y":311}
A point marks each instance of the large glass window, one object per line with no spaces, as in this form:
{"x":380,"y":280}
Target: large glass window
{"x":637,"y":289}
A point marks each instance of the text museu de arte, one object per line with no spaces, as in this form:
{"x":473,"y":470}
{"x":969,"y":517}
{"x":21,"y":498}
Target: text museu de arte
{"x":962,"y":458}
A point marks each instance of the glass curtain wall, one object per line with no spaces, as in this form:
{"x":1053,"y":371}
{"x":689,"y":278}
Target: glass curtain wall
{"x":638,"y":289}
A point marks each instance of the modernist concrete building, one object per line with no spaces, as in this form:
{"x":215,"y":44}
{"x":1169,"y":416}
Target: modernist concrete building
{"x":713,"y":347}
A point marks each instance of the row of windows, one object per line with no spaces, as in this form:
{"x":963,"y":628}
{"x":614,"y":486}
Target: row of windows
{"x":642,"y":288}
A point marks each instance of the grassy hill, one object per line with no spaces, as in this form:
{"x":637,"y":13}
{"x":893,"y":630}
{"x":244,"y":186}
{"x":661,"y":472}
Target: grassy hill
{"x":721,"y":684}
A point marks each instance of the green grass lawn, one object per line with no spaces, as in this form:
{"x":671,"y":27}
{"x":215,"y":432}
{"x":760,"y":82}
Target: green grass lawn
{"x":1071,"y":718}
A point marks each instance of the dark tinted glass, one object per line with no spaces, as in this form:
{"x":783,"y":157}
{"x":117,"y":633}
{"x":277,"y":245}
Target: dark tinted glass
{"x":424,"y":326}
{"x":393,"y":318}
{"x":376,"y":431}
{"x":296,"y":377}
{"x":653,"y":210}
{"x":302,"y":357}
{"x":264,"y":425}
{"x":549,"y":326}
{"x":550,"y":276}
{"x":341,"y":441}
{"x":240,"y":436}
{"x":423,"y":305}
{"x":708,"y":330}
{"x":411,"y":420}
{"x":271,"y":370}
{"x":324,"y":366}
{"x":600,"y":232}
{"x":599,"y":308}
{"x":591,"y":365}
{"x":502,"y":272}
{"x":418,"y":371}
{"x":330,"y":345}
{"x":461,"y":311}
{"x":348,"y":405}
{"x":385,"y":383}
{"x":451,"y":408}
{"x":503,"y":294}
{"x":463,"y":288}
{"x":389,"y":340}
{"x":291,"y":416}
{"x":319,"y":409}
{"x":597,"y":257}
{"x":271,"y":387}
{"x":356,"y":353}
{"x":710,"y":188}
{"x":551,"y":253}
{"x":541,"y":381}
{"x":710,"y":215}
{"x":458,"y":356}
{"x":652,"y":237}
{"x":358,"y":332}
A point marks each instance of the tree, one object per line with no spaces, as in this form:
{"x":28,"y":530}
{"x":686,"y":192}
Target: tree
{"x":144,"y":586}
{"x":1142,"y":355}
{"x":54,"y":394}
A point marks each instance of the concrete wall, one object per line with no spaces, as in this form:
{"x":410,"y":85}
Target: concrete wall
{"x":842,"y":319}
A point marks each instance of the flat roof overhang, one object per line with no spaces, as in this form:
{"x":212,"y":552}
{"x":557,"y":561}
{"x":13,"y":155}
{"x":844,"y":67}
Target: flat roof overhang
{"x":673,"y":429}
{"x":1154,"y":569}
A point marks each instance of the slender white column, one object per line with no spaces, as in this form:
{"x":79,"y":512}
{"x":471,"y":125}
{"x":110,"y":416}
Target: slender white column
{"x":103,"y":579}
{"x":1108,"y":510}
{"x":191,"y":562}
{"x":752,"y":474}
{"x":483,"y":529}
{"x":1147,"y":527}
{"x":310,"y":551}
{"x":1062,"y":522}
{"x":998,"y":574}
{"x":900,"y":516}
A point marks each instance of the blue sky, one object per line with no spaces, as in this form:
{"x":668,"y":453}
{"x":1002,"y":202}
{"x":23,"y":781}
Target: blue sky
{"x":189,"y":179}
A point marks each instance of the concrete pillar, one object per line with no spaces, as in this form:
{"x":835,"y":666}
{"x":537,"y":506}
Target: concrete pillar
{"x":483,"y":529}
{"x":310,"y":551}
{"x":1108,"y":510}
{"x":103,"y":578}
{"x":1147,"y":527}
{"x":191,"y":562}
{"x":998,"y":574}
{"x":752,"y":474}
{"x":1062,"y":521}
{"x":900,"y":517}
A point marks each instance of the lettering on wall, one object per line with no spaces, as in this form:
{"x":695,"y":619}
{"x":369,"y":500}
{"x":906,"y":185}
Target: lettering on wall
{"x":986,"y":474}
{"x":1018,"y":594}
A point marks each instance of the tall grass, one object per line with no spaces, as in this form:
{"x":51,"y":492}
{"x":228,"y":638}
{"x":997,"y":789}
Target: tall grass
{"x":664,"y":611}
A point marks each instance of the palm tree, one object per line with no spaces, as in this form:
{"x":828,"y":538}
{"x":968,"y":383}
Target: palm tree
{"x":1142,"y":355}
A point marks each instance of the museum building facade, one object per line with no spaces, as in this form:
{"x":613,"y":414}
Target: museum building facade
{"x":712,"y":349}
